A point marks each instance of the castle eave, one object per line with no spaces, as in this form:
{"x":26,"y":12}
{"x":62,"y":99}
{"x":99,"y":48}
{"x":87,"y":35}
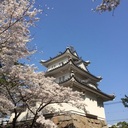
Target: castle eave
{"x":74,"y":82}
{"x":71,"y":65}
{"x":66,"y":53}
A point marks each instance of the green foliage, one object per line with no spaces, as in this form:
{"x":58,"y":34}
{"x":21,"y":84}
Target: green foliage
{"x":120,"y":125}
{"x":113,"y":126}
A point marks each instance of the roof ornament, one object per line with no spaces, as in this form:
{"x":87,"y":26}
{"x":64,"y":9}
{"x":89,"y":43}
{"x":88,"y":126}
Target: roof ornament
{"x":72,"y":73}
{"x":88,"y":62}
{"x":100,"y":77}
{"x":72,"y":49}
{"x":80,"y":58}
{"x":59,"y":53}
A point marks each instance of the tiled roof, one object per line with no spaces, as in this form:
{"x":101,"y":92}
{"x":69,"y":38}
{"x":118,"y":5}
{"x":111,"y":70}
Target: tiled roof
{"x":95,"y":90}
{"x":71,"y":62}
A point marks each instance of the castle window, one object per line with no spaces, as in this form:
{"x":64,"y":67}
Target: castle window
{"x":61,"y":63}
{"x":91,"y":99}
{"x":61,"y":79}
{"x":99,"y":103}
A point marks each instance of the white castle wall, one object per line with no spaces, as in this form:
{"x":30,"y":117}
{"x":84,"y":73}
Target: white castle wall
{"x":57,"y":64}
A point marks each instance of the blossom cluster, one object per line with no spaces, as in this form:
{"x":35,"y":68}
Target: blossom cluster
{"x":107,"y":5}
{"x":21,"y":86}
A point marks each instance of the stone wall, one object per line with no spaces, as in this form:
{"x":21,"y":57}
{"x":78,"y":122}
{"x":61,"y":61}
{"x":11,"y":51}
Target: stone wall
{"x":77,"y":121}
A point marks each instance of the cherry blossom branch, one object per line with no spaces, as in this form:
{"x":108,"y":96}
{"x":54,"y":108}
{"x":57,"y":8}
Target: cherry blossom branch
{"x":10,"y":25}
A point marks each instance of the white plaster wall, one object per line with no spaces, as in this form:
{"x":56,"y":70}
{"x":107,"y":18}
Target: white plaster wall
{"x":92,"y":106}
{"x":27,"y":114}
{"x":57,"y":64}
{"x":67,"y":76}
{"x":22,"y":115}
{"x":64,"y":107}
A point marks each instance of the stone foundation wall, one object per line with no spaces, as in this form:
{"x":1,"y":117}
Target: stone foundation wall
{"x":77,"y":121}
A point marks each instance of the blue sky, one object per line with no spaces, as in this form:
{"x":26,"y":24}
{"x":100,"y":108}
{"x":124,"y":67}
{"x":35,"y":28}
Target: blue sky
{"x":100,"y":38}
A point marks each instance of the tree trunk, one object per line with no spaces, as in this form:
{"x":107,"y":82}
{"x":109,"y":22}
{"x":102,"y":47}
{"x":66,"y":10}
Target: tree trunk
{"x":14,"y":122}
{"x":15,"y":118}
{"x":34,"y":120}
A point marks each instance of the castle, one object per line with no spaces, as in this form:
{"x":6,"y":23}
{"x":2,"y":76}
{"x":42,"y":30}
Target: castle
{"x":71,"y":71}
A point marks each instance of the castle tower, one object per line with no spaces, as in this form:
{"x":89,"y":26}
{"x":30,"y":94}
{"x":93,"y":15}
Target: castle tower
{"x":70,"y":70}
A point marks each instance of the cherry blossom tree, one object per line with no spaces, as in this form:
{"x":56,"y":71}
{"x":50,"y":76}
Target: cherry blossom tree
{"x":21,"y":86}
{"x":107,"y":5}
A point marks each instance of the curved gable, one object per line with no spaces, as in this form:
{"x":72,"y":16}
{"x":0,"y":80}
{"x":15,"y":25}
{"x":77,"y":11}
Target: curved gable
{"x":66,"y":54}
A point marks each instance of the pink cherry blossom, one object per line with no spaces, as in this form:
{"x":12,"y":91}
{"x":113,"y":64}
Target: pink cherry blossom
{"x":21,"y":86}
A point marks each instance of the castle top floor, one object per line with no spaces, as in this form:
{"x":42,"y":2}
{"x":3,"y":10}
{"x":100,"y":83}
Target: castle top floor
{"x":65,"y":57}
